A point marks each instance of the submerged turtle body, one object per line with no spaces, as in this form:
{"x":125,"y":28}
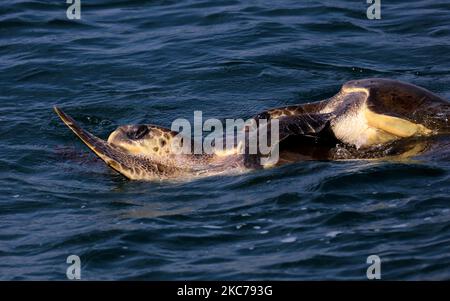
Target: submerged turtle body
{"x":366,"y":119}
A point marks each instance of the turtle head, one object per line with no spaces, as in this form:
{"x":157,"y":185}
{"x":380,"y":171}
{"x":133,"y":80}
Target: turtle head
{"x":144,"y":139}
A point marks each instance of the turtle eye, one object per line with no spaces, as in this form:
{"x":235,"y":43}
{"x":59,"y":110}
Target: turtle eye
{"x":138,"y":132}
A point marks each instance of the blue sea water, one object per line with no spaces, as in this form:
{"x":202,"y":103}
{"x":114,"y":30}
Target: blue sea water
{"x":129,"y":62}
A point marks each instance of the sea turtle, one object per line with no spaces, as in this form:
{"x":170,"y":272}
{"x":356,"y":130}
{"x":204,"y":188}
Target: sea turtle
{"x":366,"y":119}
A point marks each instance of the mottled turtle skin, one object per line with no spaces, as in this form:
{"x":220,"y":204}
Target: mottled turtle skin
{"x":367,"y":119}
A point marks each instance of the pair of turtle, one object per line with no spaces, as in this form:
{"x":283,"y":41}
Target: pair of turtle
{"x":369,"y":118}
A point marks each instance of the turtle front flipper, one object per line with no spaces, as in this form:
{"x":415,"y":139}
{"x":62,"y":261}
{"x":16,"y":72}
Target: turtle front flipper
{"x":305,"y":121}
{"x":301,"y":129}
{"x":133,"y":167}
{"x":396,"y":126}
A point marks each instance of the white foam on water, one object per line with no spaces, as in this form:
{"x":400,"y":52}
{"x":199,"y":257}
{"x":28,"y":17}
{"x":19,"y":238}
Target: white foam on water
{"x":289,"y":239}
{"x":211,"y":227}
{"x":333,"y":234}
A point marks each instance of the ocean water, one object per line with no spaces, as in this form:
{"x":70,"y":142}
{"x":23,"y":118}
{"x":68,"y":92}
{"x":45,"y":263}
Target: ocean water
{"x":129,"y":62}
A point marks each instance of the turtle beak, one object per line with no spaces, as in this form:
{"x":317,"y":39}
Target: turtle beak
{"x":112,"y":156}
